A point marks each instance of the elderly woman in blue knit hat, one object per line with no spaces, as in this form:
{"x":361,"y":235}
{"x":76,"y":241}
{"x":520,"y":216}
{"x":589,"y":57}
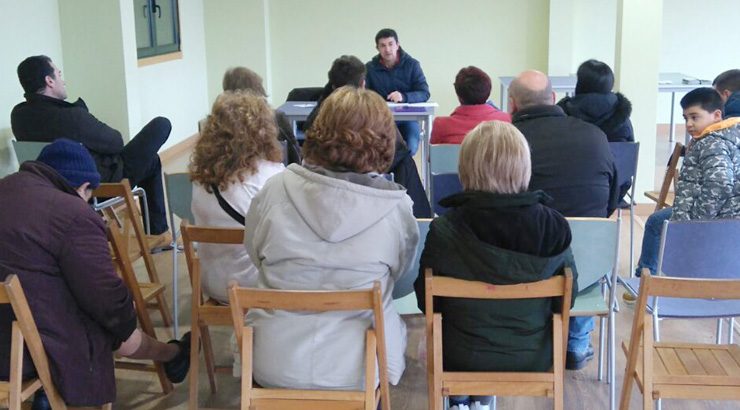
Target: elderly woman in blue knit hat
{"x":56,"y":245}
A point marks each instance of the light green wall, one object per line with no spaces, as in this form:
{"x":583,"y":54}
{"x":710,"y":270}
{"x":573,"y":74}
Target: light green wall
{"x":91,"y":32}
{"x":235,"y":36}
{"x":502,"y":38}
{"x":20,"y":38}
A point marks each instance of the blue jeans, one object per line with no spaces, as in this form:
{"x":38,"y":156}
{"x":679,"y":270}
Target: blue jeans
{"x":411,"y":134}
{"x":579,"y":333}
{"x":651,"y":241}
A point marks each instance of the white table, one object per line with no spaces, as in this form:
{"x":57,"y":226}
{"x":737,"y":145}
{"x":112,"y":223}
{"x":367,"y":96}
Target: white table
{"x":667,"y":83}
{"x":420,"y":112}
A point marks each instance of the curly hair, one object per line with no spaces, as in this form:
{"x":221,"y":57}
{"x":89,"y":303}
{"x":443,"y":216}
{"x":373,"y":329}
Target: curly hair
{"x":239,"y":132}
{"x":243,"y":79}
{"x":354,"y":131}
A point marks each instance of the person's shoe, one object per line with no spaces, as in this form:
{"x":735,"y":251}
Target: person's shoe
{"x":628,"y":297}
{"x":40,"y":401}
{"x":577,"y":361}
{"x":160,"y":242}
{"x":177,"y":368}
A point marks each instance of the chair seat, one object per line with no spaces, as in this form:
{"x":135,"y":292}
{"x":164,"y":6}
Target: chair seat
{"x":688,"y":308}
{"x":213,"y":313}
{"x":590,"y":303}
{"x":693,"y":371}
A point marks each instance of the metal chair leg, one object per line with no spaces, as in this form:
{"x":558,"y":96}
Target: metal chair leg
{"x":731,"y":331}
{"x":719,"y":331}
{"x":602,"y":328}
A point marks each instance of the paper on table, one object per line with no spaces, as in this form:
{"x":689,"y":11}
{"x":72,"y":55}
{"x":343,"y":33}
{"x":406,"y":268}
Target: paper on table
{"x":305,"y":105}
{"x":421,"y":104}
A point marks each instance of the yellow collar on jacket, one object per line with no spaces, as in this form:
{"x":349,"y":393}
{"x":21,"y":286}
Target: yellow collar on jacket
{"x":718,"y":126}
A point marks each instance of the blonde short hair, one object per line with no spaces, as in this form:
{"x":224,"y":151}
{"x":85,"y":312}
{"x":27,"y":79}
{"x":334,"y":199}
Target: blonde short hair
{"x":354,"y":131}
{"x":243,"y":79}
{"x":494,"y":157}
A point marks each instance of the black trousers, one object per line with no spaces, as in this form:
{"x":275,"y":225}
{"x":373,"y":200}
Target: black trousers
{"x":141,"y":165}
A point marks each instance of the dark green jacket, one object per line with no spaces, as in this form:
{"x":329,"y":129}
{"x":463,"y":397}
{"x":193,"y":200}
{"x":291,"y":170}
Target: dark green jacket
{"x":499,"y":239}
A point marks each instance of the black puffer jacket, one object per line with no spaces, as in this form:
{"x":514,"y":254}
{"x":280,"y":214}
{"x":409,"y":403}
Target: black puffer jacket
{"x":503,"y":240}
{"x":608,"y":111}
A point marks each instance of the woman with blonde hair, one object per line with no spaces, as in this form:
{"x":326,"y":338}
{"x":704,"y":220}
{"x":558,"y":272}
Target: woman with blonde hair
{"x":333,"y":223}
{"x":499,"y":233}
{"x":236,"y":154}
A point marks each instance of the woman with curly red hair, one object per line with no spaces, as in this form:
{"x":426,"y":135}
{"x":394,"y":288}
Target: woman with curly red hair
{"x":236,"y":153}
{"x":333,"y":223}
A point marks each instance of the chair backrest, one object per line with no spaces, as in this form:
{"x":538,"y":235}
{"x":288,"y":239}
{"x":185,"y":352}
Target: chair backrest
{"x":305,"y":94}
{"x":625,"y":159}
{"x":25,"y":333}
{"x":179,"y":191}
{"x":243,"y":299}
{"x":444,"y":185}
{"x":510,"y":383}
{"x":192,"y":234}
{"x":595,"y":247}
{"x":123,"y":189}
{"x":700,"y":249}
{"x":670,"y":177}
{"x":27,"y":150}
{"x":405,"y":286}
{"x":443,"y":158}
{"x":125,"y":268}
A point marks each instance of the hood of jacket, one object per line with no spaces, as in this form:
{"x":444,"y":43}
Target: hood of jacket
{"x":728,"y":130}
{"x":732,"y":106}
{"x":356,"y":201}
{"x":606,"y":110}
{"x":49,"y":174}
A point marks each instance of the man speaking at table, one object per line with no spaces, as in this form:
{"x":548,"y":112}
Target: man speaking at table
{"x":398,"y":78}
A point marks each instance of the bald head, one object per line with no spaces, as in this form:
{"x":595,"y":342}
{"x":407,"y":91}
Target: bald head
{"x":530,"y":88}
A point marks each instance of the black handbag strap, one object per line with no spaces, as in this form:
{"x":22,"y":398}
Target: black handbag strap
{"x":226,"y":206}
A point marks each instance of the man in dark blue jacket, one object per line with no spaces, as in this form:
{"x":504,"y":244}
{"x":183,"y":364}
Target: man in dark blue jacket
{"x":398,"y":78}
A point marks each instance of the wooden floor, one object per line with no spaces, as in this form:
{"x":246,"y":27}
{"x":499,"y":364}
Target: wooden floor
{"x":582,"y":390}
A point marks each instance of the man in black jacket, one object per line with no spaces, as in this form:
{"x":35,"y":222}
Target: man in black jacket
{"x":572,"y":163}
{"x":45,"y":116}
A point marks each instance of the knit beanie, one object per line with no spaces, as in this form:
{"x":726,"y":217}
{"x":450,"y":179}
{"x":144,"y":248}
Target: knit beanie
{"x":72,"y":161}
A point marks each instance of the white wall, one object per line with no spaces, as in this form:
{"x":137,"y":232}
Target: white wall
{"x":175,"y":89}
{"x":20,"y":38}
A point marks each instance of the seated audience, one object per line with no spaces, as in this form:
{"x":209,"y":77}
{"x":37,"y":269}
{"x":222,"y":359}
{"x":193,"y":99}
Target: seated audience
{"x":595,"y":102}
{"x":242,"y":78}
{"x":709,"y":181}
{"x":511,"y":236}
{"x":349,"y":70}
{"x":473,"y":87}
{"x":236,"y":154}
{"x":46,"y":116}
{"x":56,"y":244}
{"x":727,"y":85}
{"x":333,"y":223}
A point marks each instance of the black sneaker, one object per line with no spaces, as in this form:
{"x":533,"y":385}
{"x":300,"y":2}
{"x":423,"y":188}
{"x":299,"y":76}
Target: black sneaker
{"x":40,"y":401}
{"x":177,"y":368}
{"x":577,"y":361}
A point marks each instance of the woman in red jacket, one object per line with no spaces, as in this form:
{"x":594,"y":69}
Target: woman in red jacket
{"x":473,"y":87}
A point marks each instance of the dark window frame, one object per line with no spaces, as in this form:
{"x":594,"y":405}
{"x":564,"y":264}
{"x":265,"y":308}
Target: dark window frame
{"x":153,"y":11}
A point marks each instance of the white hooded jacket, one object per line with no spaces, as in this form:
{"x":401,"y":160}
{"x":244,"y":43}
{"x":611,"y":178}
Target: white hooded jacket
{"x":308,"y":231}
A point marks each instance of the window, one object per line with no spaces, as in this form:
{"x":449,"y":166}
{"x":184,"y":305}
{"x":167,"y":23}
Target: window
{"x":157,"y":27}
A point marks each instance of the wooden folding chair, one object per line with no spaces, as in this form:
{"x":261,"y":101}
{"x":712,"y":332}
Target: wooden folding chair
{"x":664,"y":197}
{"x":133,"y":220}
{"x":25,"y":334}
{"x":679,"y":370}
{"x":242,"y":299}
{"x":442,"y":383}
{"x":205,"y":312}
{"x":143,"y":293}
